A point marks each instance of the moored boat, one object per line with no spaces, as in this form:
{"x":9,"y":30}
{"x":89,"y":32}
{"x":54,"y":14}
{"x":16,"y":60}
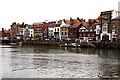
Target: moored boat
{"x":13,"y":43}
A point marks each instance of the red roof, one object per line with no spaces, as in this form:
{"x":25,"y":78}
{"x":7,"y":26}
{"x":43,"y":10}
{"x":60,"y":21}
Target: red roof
{"x":75,"y":25}
{"x":67,"y":21}
{"x":99,"y":17}
{"x":97,"y":20}
{"x":85,"y":24}
{"x":76,"y":21}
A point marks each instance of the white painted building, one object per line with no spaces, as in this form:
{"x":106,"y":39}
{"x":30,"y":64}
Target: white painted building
{"x":56,"y":32}
{"x":31,"y":33}
{"x":52,"y":24}
{"x":114,"y":14}
{"x":83,"y":29}
{"x":105,"y":35}
{"x":27,"y":32}
{"x":51,"y":32}
{"x":97,"y":31}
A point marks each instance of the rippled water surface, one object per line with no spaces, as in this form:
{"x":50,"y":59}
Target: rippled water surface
{"x":56,"y":62}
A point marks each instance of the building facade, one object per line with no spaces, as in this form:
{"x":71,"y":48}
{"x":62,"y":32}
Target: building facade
{"x":87,"y":33}
{"x":98,"y":28}
{"x":64,"y":30}
{"x":106,"y":17}
{"x":56,"y":32}
{"x":52,"y":24}
{"x":74,"y":31}
{"x":40,"y":30}
{"x":27,"y":32}
{"x":3,"y":34}
{"x":115,"y":28}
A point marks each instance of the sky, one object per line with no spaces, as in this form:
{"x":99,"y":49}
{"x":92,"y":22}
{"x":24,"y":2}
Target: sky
{"x":30,"y":11}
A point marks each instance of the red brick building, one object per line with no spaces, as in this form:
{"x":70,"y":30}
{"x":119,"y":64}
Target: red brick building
{"x":40,"y":29}
{"x":74,"y":30}
{"x":2,"y":34}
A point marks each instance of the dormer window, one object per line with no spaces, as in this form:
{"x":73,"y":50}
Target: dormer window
{"x":91,"y":30}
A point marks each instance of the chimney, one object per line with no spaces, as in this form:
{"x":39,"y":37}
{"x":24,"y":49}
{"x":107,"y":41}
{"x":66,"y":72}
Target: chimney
{"x":14,"y":23}
{"x":78,"y":19}
{"x":71,"y":21}
{"x":2,"y":29}
{"x":70,"y":18}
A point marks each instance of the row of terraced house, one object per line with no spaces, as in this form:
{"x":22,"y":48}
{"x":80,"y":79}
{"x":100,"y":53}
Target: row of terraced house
{"x":104,"y":28}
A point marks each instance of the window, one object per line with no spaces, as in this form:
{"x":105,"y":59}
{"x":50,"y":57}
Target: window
{"x":91,"y":30}
{"x":62,"y":33}
{"x":58,"y":29}
{"x":65,"y":29}
{"x":61,"y":29}
{"x":88,"y":34}
{"x":65,"y":33}
{"x":104,"y":29}
{"x":80,"y":35}
{"x":84,"y":34}
{"x":93,"y":35}
{"x":37,"y":29}
{"x":55,"y":29}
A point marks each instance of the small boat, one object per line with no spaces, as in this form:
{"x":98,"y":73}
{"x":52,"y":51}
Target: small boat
{"x":4,"y":46}
{"x":13,"y":43}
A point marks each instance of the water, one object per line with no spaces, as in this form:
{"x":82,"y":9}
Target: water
{"x":56,"y":62}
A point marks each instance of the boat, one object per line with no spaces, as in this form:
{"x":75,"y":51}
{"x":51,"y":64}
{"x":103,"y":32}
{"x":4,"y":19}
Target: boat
{"x":13,"y":43}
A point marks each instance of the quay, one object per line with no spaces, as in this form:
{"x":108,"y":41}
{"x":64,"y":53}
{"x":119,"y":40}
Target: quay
{"x":77,"y":43}
{"x":93,"y":44}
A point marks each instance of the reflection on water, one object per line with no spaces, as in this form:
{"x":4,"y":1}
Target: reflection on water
{"x":58,"y":62}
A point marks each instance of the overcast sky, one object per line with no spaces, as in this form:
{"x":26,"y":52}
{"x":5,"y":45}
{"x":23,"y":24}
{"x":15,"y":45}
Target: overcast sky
{"x":30,"y":11}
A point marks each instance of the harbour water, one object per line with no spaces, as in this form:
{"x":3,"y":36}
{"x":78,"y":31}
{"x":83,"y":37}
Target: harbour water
{"x":59,"y":62}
